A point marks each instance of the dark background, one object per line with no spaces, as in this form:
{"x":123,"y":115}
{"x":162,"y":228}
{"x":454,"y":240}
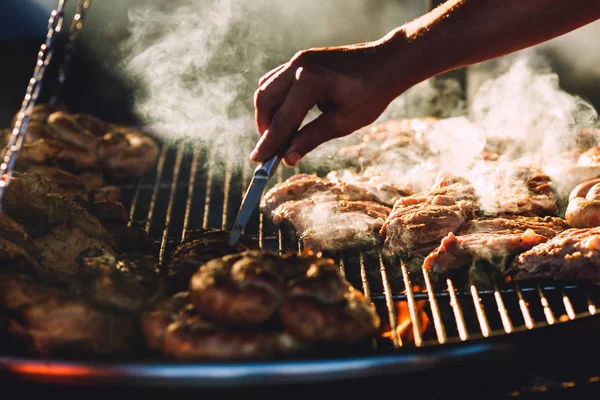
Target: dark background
{"x":95,"y":85}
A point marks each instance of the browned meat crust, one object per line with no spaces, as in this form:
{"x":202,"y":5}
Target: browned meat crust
{"x":174,"y":328}
{"x":534,"y":198}
{"x":51,"y":322}
{"x":572,"y":255}
{"x":425,"y":218}
{"x":490,"y":239}
{"x":125,"y":152}
{"x":333,"y":225}
{"x":198,"y":247}
{"x":254,"y":287}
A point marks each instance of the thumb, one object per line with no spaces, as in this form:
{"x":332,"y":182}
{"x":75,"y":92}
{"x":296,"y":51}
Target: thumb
{"x":313,"y":134}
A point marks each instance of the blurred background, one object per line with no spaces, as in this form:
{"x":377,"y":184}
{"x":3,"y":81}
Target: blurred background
{"x":104,"y":77}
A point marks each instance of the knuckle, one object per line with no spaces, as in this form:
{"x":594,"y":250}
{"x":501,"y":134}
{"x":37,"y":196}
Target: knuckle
{"x":259,"y":98}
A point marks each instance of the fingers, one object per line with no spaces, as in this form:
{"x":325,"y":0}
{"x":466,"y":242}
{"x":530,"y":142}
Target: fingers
{"x":321,"y":129}
{"x":269,"y":74}
{"x":269,"y":96}
{"x":301,"y":97}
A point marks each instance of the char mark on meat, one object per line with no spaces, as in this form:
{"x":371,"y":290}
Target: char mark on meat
{"x":572,"y":255}
{"x":492,"y":239}
{"x":424,"y":218}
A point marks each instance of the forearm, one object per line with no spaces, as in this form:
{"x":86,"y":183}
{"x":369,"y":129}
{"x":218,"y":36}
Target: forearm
{"x":465,"y":32}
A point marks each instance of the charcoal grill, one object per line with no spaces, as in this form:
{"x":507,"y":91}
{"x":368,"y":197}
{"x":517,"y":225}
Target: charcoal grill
{"x":426,"y":324}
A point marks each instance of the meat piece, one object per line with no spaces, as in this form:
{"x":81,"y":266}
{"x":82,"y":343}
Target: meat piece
{"x":198,"y":247}
{"x":240,"y":290}
{"x":312,"y":299}
{"x":376,"y":183}
{"x":294,"y":188}
{"x":125,"y":152}
{"x":60,"y":247}
{"x":531,"y":194}
{"x":17,"y":251}
{"x":321,"y":306}
{"x":174,"y":329}
{"x":492,"y":239}
{"x":65,"y":128}
{"x":590,"y":158}
{"x":125,"y":283}
{"x":51,"y":322}
{"x":333,"y":225}
{"x":424,"y":218}
{"x":40,"y":113}
{"x":131,"y":239}
{"x":43,"y":151}
{"x":71,"y":185}
{"x":404,"y":137}
{"x":572,"y":255}
{"x":92,"y":124}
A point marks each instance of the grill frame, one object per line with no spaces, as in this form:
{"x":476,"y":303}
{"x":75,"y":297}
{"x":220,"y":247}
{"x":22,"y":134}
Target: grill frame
{"x":188,"y":175}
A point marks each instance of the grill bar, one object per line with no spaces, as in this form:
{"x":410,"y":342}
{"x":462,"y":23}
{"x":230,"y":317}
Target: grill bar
{"x":481,"y":316}
{"x":393,"y":320}
{"x":190,"y":192}
{"x":506,"y":322}
{"x":169,"y":212}
{"x":159,"y":172}
{"x":547,"y":311}
{"x":440,"y":330}
{"x":523,"y":306}
{"x":418,"y":339}
{"x":209,"y":181}
{"x":458,"y":313}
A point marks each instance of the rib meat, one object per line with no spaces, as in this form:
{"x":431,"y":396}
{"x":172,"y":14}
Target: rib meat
{"x":491,"y":239}
{"x":424,"y":218}
{"x":572,"y":255}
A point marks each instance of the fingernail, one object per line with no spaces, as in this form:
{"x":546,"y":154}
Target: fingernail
{"x":253,"y":155}
{"x":292,"y":158}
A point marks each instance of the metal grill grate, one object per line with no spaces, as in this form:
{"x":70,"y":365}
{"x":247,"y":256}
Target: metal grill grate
{"x":190,"y":188}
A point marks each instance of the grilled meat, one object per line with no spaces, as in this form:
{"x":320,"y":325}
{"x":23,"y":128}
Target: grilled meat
{"x":198,"y":247}
{"x":375,"y":182}
{"x":125,"y":152}
{"x":425,"y":218}
{"x":49,"y":321}
{"x":491,"y":239}
{"x":127,"y":283}
{"x":17,"y":251}
{"x":312,"y":299}
{"x":405,"y":137}
{"x":66,"y":129}
{"x":175,"y":329}
{"x":92,"y":124}
{"x":40,"y":113}
{"x":572,"y":255}
{"x":294,"y":188}
{"x":333,"y":225}
{"x":533,"y":198}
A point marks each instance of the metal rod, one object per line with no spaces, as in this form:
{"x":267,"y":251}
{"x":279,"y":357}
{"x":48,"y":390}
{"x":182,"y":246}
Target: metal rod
{"x":590,"y":304}
{"x":481,"y":317}
{"x":524,"y":309}
{"x":172,"y":193}
{"x":412,"y":307}
{"x":440,"y":330}
{"x":226,"y":188}
{"x":190,"y":193}
{"x":547,"y":311}
{"x":209,"y":180}
{"x":506,"y":322}
{"x":463,"y":334}
{"x":134,"y":202}
{"x":261,"y":234}
{"x":74,"y":32}
{"x":341,"y":263}
{"x":159,"y":172}
{"x":389,"y":302}
{"x":568,"y":306}
{"x":32,"y":92}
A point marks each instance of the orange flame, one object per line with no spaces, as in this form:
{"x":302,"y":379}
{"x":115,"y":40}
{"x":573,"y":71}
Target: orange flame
{"x":404,"y":327}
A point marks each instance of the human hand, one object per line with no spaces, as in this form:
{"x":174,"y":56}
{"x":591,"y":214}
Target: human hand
{"x":351,"y":86}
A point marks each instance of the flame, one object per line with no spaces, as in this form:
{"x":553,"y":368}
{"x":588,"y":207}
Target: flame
{"x":404,"y":327}
{"x":40,"y":369}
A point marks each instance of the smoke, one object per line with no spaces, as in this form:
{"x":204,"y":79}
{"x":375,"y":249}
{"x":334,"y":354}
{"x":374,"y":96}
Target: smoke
{"x":196,"y":63}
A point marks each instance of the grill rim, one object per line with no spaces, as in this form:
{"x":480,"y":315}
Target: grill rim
{"x":267,"y":373}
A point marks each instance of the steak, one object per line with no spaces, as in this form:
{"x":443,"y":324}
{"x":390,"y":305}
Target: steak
{"x":572,"y":255}
{"x":424,"y":218}
{"x":491,"y":239}
{"x":333,"y":225}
